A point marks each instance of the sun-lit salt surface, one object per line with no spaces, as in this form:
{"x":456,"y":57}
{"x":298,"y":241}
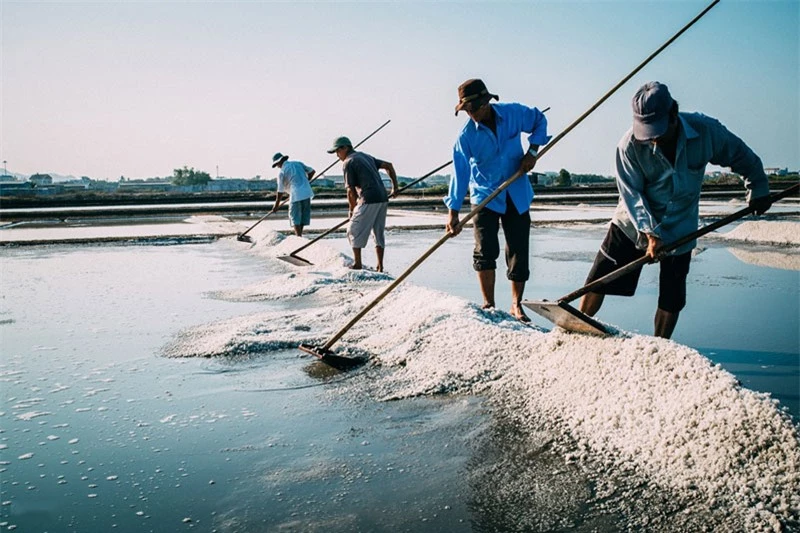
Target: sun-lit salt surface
{"x":627,"y":402}
{"x":785,"y":233}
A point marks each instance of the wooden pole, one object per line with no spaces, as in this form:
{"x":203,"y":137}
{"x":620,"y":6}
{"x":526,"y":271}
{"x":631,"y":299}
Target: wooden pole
{"x":338,"y":335}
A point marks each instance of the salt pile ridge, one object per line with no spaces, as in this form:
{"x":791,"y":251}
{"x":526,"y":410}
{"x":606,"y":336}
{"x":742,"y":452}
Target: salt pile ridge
{"x":629,"y":402}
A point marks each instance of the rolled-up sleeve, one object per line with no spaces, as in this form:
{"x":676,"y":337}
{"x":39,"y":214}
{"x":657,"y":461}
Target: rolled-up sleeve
{"x":535,"y":123}
{"x":630,"y":183}
{"x":459,"y":182}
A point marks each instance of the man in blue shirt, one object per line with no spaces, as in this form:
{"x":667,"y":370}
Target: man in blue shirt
{"x":294,"y":177}
{"x":661,"y":162}
{"x":487,"y":152}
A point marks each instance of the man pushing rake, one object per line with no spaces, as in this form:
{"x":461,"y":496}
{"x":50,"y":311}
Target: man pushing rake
{"x":661,"y":162}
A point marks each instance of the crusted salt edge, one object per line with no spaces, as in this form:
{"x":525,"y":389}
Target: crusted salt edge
{"x":764,"y":232}
{"x":633,"y":401}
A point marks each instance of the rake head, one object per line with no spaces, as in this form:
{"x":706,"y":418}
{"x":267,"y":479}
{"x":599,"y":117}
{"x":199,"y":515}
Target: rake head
{"x":330,"y":357}
{"x":295,"y":260}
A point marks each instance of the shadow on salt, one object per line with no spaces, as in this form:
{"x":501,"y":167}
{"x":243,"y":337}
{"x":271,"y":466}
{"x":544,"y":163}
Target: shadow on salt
{"x":629,"y":402}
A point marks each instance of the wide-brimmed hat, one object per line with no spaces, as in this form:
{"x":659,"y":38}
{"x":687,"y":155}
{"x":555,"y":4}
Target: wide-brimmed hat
{"x":278,"y":158}
{"x":473,"y":90}
{"x":651,"y":106}
{"x":338,"y":142}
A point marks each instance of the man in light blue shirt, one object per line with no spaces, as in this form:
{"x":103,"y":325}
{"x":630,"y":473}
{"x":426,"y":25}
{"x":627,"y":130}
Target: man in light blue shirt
{"x":487,"y":152}
{"x":661,"y":162}
{"x":294,"y":177}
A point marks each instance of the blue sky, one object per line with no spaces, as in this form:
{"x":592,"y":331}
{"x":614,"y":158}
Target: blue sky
{"x":106,"y":89}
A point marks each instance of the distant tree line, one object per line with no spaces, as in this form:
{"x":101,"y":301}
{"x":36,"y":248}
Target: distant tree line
{"x":190,"y":176}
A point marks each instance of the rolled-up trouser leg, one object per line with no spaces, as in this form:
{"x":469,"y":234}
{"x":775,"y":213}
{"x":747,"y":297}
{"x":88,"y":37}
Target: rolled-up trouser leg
{"x":517,"y":231}
{"x":485,"y":226}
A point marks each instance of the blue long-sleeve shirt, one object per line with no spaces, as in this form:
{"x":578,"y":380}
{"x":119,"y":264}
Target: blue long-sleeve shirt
{"x":483,"y":160}
{"x":663,"y":200}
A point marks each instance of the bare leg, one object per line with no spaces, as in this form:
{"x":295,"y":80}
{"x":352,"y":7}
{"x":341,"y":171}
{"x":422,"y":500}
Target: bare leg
{"x":486,"y":281}
{"x":298,"y":230}
{"x":356,"y":259}
{"x":591,"y":302}
{"x":665,"y":323}
{"x":379,"y":255}
{"x":517,"y":288}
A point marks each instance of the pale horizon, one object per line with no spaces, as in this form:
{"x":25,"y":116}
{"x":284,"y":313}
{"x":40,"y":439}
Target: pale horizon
{"x":137,"y":89}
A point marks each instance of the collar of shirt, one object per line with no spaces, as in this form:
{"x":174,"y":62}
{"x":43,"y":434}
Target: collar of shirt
{"x":498,"y":114}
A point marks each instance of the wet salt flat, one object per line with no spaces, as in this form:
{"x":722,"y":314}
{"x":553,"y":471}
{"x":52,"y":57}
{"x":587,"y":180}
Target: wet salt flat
{"x":156,"y":388}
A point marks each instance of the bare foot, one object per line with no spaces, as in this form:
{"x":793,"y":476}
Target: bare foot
{"x":518,"y":313}
{"x":355,"y":267}
{"x":379,"y":268}
{"x":487,"y":305}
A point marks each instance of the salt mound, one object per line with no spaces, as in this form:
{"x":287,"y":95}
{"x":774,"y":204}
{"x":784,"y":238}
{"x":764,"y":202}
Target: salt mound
{"x":785,"y":233}
{"x":628,"y":402}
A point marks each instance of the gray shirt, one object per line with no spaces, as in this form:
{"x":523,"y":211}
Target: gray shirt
{"x":361,"y":173}
{"x":662,"y":199}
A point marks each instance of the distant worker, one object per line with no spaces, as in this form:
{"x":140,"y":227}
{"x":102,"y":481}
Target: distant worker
{"x":661,"y":161}
{"x":294,"y":177}
{"x":487,"y":152}
{"x":366,"y":197}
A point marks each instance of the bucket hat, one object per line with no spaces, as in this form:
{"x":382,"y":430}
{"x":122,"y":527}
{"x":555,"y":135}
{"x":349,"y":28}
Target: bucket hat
{"x":473,"y":90}
{"x":278,"y":158}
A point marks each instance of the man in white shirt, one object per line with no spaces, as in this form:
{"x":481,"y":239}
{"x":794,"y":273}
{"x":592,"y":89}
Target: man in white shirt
{"x":294,"y":177}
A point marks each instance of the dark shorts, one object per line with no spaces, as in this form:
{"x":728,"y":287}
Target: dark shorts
{"x":517,"y":231}
{"x":618,"y":250}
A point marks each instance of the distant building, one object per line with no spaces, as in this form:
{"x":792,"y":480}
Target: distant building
{"x":41,"y":179}
{"x":776,"y":171}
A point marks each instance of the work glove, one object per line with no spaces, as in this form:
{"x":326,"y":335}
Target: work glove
{"x":760,"y":205}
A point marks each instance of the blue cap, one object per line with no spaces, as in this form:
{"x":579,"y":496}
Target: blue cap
{"x":651,"y":105}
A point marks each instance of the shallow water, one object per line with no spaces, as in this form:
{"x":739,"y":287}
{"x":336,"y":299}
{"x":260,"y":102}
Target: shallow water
{"x":99,"y":432}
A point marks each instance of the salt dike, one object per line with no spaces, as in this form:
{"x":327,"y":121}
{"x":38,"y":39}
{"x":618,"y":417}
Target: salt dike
{"x":647,"y":407}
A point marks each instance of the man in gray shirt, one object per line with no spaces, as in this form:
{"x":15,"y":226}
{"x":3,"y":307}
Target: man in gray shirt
{"x":661,"y":162}
{"x":367,"y":198}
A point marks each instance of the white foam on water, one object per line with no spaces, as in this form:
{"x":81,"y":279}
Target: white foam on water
{"x":30,"y":415}
{"x":786,"y":233}
{"x":627,"y":402}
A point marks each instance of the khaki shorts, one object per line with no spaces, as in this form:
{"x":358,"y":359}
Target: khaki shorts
{"x":368,"y":218}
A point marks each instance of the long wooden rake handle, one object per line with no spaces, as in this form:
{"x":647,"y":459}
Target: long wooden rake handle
{"x":662,"y":251}
{"x":506,"y":183}
{"x":444,"y":238}
{"x":320,"y":236}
